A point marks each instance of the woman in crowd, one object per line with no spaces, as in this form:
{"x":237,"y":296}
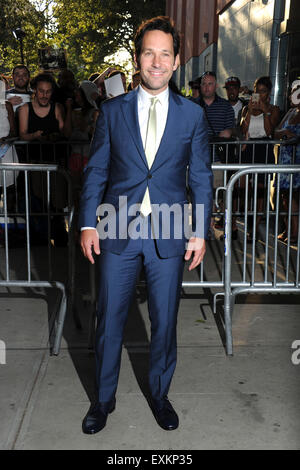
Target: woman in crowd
{"x":8,"y":153}
{"x":287,"y":129}
{"x":7,"y":130}
{"x":259,"y":120}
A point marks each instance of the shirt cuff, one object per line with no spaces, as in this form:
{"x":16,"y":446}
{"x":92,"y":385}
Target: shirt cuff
{"x":87,"y":228}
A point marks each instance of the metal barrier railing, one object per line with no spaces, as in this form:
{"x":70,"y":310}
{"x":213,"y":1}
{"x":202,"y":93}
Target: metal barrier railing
{"x":245,"y":207}
{"x":235,"y":156}
{"x":45,"y":223}
{"x":279,"y":268}
{"x":222,"y":173}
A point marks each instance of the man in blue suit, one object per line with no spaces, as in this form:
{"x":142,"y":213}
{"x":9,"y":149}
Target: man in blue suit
{"x":143,"y":144}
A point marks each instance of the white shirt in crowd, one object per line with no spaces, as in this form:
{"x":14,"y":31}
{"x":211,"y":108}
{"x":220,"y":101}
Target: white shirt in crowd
{"x":237,"y":108}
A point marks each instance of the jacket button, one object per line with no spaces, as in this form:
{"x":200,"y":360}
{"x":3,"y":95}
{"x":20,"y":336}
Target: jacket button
{"x":149,"y":176}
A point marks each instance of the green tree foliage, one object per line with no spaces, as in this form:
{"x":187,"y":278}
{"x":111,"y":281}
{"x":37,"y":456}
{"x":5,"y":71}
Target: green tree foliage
{"x":20,"y":14}
{"x":90,"y":30}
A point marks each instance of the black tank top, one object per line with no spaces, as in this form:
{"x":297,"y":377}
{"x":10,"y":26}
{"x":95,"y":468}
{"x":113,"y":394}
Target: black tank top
{"x":48,"y":124}
{"x":43,"y":152}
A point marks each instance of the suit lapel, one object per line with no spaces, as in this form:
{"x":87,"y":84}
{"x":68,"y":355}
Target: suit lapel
{"x":168,"y":135}
{"x":130,"y":113}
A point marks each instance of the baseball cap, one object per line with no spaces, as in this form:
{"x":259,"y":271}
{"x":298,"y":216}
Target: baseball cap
{"x":232,"y":81}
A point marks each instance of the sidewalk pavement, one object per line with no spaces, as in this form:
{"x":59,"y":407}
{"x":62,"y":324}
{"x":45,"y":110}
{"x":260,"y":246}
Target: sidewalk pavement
{"x":248,"y":401}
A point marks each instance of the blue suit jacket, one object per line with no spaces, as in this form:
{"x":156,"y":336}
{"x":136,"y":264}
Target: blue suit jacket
{"x":118,"y":167}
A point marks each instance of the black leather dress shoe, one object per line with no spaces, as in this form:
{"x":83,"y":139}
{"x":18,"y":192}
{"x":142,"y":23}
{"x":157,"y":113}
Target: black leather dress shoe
{"x":165,"y":414}
{"x":96,"y":417}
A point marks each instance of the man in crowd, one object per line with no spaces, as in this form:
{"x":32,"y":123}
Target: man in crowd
{"x":220,"y":118}
{"x":20,"y":93}
{"x":218,"y":112}
{"x":195,"y":87}
{"x":233,"y":87}
{"x":143,"y":143}
{"x":41,"y":118}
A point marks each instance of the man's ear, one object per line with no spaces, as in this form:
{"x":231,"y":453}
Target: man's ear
{"x":176,"y":63}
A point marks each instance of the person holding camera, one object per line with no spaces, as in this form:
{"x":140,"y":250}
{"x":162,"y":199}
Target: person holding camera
{"x":260,"y":117}
{"x":259,"y":120}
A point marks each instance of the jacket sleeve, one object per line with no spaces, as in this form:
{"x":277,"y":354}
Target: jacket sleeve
{"x":96,"y":172}
{"x":200,"y":179}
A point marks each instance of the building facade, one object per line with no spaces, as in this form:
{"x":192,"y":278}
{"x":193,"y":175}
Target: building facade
{"x":246,"y":38}
{"x":197,"y":22}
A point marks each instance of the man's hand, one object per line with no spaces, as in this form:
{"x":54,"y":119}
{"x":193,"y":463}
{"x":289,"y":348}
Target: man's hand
{"x":37,"y":135}
{"x":89,"y":239}
{"x":15,"y":100}
{"x":196,"y":246}
{"x":287,"y":133}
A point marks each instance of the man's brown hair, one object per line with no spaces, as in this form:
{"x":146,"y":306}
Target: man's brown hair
{"x":161,"y":23}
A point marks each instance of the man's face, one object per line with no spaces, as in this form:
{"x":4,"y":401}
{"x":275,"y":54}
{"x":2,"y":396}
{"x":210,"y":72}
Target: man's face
{"x":233,"y":93}
{"x":43,"y":93}
{"x":21,"y":78}
{"x":208,"y":86}
{"x":157,"y":62}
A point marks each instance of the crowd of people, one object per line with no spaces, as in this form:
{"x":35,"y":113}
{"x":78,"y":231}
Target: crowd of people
{"x":48,"y":110}
{"x":254,"y":119}
{"x":169,"y":132}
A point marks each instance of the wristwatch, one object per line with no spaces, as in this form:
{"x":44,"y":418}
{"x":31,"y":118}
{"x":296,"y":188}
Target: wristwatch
{"x":268,"y":114}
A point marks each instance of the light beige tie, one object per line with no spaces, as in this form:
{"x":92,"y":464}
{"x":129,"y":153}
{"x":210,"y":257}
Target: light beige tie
{"x":150,"y":151}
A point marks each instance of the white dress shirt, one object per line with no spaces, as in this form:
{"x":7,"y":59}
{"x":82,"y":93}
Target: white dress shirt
{"x":162,"y":108}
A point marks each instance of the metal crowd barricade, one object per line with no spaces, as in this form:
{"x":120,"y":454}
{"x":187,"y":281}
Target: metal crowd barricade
{"x":232,"y":160}
{"x":59,"y":151}
{"x":44,"y":216}
{"x":218,"y":277}
{"x":279,"y":268}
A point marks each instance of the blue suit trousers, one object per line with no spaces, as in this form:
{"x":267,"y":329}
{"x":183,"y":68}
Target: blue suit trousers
{"x":118,"y":277}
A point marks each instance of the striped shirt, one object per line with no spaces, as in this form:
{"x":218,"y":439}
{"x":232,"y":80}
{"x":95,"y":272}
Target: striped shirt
{"x":220,"y":115}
